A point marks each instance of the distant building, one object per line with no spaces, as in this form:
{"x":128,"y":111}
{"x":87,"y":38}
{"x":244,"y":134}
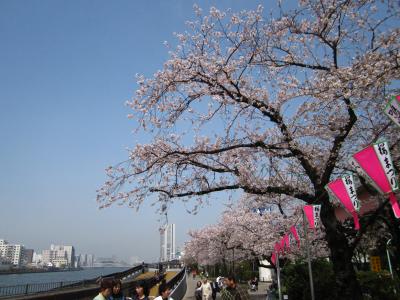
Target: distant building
{"x":89,"y":260}
{"x":265,"y":274}
{"x":37,"y":258}
{"x":59,"y":256}
{"x":167,"y":242}
{"x":82,"y":260}
{"x":28,"y":256}
{"x":11,"y":253}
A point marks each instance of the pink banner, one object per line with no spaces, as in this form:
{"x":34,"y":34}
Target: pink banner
{"x":293,"y":230}
{"x":277,"y":248}
{"x":395,"y":205}
{"x":376,"y":162}
{"x":369,"y":161}
{"x":338,"y":189}
{"x":309,"y":211}
{"x":273,"y":259}
{"x":282,"y":244}
{"x":287,"y":242}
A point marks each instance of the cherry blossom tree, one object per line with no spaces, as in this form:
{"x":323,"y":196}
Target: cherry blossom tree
{"x":249,"y":235}
{"x":269,"y":105}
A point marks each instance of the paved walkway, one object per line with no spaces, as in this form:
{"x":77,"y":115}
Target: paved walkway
{"x":191,"y":286}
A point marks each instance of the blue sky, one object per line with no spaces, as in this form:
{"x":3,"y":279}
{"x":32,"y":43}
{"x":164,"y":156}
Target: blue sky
{"x":66,"y":69}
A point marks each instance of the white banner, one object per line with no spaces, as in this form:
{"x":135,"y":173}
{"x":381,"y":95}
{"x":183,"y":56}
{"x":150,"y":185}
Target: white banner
{"x":348,"y":182}
{"x":392,"y":110}
{"x":382,"y":151}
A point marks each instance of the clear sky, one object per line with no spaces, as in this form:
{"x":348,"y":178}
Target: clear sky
{"x":66,"y":69}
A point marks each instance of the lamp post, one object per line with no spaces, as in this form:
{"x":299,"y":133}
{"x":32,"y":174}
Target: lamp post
{"x":388,"y":257}
{"x":389,"y":262}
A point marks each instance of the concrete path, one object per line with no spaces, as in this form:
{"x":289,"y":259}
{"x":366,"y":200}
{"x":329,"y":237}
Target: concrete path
{"x":191,"y":286}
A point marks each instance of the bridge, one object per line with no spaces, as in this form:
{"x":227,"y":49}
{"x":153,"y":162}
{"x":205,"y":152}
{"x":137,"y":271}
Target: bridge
{"x":175,"y":278}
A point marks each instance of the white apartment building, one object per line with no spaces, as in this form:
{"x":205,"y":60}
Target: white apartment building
{"x":59,"y":256}
{"x":11,"y":253}
{"x":167,"y":242}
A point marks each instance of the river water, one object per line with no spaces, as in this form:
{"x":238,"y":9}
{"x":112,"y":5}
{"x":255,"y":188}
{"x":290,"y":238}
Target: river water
{"x":17,"y":279}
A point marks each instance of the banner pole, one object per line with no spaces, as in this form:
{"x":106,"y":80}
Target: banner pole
{"x":278,"y":273}
{"x":308,"y":257}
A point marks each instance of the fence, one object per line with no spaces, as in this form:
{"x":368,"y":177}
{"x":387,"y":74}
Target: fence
{"x":26,"y":289}
{"x":178,"y":285}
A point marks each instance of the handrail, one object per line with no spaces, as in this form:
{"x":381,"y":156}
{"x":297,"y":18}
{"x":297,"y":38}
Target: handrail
{"x":26,"y":289}
{"x":178,"y":285}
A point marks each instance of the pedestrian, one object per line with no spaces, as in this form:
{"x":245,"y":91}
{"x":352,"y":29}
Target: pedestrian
{"x":106,"y":285}
{"x":233,"y":291}
{"x":215,"y":289}
{"x":141,"y":291}
{"x":164,"y":292}
{"x":117,"y":291}
{"x":206,"y":290}
{"x":198,"y":291}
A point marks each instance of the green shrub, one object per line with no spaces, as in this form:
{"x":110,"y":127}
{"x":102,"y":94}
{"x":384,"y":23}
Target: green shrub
{"x":377,"y":286}
{"x":296,"y":280}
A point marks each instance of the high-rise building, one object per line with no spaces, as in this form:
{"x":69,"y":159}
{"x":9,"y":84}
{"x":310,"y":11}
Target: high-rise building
{"x":167,"y":242}
{"x":83,"y":260}
{"x":59,"y":256}
{"x":90,"y":260}
{"x":11,"y":253}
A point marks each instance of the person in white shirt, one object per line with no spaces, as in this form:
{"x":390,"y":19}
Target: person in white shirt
{"x":207,"y":290}
{"x":164,"y":292}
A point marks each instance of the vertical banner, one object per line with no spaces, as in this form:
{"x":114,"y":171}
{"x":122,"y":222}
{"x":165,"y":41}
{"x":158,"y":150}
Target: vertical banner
{"x":343,"y":189}
{"x":312,"y":213}
{"x":277,"y":247}
{"x":317,"y":214}
{"x":293,"y":230}
{"x":392,"y":110}
{"x":273,"y":258}
{"x":375,"y":164}
{"x":282,"y":245}
{"x":287,"y":241}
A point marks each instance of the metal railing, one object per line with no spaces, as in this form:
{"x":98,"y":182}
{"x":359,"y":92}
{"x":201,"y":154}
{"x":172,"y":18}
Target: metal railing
{"x":178,"y":285}
{"x":34,"y":288}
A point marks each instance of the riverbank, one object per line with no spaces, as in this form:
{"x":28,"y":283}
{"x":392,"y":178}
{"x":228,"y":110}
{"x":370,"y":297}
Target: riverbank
{"x":36,"y":270}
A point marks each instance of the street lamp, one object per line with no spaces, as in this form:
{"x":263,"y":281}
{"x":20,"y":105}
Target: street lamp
{"x":388,"y":257}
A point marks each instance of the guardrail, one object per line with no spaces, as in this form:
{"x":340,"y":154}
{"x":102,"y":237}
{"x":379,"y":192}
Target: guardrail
{"x":178,"y":285}
{"x":27,"y":289}
{"x":14,"y":290}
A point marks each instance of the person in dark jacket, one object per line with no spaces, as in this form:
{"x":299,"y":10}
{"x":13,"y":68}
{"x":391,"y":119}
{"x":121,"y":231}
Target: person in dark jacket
{"x":215,"y":289}
{"x":199,"y":291}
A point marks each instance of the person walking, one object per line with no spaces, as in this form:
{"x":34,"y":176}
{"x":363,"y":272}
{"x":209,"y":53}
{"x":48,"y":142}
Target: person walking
{"x":233,"y":291}
{"x":206,"y":290}
{"x":198,"y":294}
{"x":215,"y":289}
{"x":106,"y":286}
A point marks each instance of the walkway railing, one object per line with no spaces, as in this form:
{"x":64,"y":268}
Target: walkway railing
{"x":178,"y":285}
{"x":26,"y":289}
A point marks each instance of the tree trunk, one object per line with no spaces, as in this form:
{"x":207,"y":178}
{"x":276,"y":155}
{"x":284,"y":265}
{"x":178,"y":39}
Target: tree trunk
{"x":347,"y":287}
